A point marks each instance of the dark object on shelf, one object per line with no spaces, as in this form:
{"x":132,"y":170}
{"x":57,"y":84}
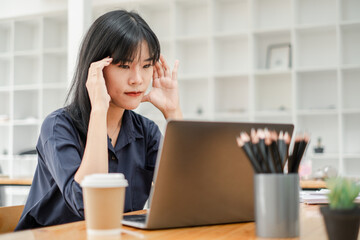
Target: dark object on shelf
{"x":27,"y":152}
{"x":278,"y":56}
{"x":319,"y":148}
{"x":341,"y":224}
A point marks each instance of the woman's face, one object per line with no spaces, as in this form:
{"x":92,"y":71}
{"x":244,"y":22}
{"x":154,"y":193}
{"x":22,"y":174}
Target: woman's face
{"x":126,"y":83}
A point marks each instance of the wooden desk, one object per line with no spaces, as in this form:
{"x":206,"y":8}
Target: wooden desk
{"x":311,"y":228}
{"x":312,"y":184}
{"x":15,"y":182}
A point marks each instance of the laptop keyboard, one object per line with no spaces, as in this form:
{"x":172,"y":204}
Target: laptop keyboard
{"x":136,"y":218}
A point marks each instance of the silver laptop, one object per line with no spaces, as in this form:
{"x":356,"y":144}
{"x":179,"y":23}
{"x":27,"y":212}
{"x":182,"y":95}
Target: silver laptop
{"x":202,"y":177}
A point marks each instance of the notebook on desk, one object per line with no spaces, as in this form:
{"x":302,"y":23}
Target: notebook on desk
{"x":201,"y":177}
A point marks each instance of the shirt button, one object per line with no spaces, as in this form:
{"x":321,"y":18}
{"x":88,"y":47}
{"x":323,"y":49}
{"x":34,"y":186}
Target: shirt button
{"x":113,"y":158}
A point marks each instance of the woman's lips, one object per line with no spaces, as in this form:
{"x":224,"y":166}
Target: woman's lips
{"x":133,"y":94}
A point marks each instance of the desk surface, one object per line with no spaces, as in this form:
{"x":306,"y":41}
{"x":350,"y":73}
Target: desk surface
{"x":15,"y":182}
{"x":27,"y":182}
{"x":311,"y":227}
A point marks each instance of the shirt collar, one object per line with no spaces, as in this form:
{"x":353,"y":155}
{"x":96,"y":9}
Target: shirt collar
{"x":128,"y":131}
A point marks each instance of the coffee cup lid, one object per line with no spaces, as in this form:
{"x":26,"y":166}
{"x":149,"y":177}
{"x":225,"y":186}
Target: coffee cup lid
{"x":104,"y":180}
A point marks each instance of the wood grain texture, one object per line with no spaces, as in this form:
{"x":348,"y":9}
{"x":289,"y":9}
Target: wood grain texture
{"x":311,"y":227}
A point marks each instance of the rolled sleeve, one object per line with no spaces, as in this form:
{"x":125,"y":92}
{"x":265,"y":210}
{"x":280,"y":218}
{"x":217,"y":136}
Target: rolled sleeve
{"x":63,"y":158}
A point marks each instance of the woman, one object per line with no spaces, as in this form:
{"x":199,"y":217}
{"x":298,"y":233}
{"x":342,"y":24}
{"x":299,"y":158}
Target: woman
{"x":97,"y":132}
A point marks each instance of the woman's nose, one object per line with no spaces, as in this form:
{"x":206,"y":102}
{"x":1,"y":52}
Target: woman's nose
{"x":135,"y":77}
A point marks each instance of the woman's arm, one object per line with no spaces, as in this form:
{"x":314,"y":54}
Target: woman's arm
{"x":95,"y":159}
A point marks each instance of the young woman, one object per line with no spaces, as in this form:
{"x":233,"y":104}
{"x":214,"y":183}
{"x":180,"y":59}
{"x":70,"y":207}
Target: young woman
{"x":97,"y":132}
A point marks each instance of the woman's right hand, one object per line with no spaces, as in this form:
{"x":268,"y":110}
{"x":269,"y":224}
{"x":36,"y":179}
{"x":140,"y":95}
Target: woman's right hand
{"x":95,"y":85}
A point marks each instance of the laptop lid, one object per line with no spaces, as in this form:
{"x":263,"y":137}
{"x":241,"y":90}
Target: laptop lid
{"x":202,"y":177}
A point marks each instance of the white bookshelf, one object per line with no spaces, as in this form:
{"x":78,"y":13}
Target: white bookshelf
{"x":32,"y":84}
{"x":223,"y":48}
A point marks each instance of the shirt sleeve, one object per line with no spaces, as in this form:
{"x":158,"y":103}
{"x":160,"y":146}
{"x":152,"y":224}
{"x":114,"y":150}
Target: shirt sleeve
{"x":153,"y":139}
{"x":63,"y":154}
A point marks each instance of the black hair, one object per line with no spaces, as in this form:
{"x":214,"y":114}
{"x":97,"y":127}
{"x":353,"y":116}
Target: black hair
{"x":118,"y":34}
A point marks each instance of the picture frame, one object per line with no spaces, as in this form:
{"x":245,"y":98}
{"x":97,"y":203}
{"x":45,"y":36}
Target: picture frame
{"x":278,"y":56}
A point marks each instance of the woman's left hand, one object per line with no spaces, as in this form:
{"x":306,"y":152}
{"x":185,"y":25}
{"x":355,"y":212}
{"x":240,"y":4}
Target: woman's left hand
{"x":164,"y":93}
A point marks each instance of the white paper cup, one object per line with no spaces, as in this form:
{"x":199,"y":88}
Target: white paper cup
{"x":104,"y":196}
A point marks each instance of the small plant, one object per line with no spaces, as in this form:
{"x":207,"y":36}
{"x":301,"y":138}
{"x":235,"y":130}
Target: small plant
{"x":343,"y":192}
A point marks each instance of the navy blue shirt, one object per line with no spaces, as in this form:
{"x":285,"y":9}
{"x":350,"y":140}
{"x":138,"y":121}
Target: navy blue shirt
{"x":55,"y":197}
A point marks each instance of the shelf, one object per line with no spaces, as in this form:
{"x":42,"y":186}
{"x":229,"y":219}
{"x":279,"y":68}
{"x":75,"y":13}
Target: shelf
{"x":232,"y":55}
{"x":273,"y":118}
{"x":194,"y":98}
{"x":323,"y":126}
{"x":263,"y":42}
{"x":52,"y":100}
{"x":192,"y":18}
{"x":316,"y":12}
{"x":350,"y":10}
{"x":26,"y":122}
{"x":322,"y":156}
{"x":351,"y":155}
{"x":26,"y":104}
{"x":4,"y":142}
{"x":231,"y":95}
{"x":314,"y":27}
{"x":29,"y":30}
{"x":231,"y":16}
{"x":272,"y":13}
{"x":236,"y":117}
{"x":351,"y":111}
{"x":350,"y":88}
{"x":316,"y":48}
{"x":351,"y":133}
{"x":5,"y":36}
{"x":272,"y":72}
{"x":157,"y":15}
{"x":310,"y":84}
{"x":26,"y":70}
{"x":55,"y":32}
{"x":317,"y":112}
{"x":350,"y":67}
{"x":4,"y":72}
{"x":352,"y":167}
{"x":350,"y":44}
{"x":273,"y":92}
{"x":25,"y":138}
{"x":5,"y":105}
{"x":193,"y":57}
{"x":55,"y":68}
{"x":279,"y":113}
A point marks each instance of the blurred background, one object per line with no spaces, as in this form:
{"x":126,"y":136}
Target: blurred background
{"x":283,"y":61}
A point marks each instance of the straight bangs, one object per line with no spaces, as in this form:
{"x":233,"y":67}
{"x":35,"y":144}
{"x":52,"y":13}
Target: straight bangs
{"x":128,"y":46}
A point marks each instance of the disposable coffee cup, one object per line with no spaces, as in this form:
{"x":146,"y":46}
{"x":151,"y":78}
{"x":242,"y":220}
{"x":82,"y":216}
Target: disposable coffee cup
{"x":104,"y":196}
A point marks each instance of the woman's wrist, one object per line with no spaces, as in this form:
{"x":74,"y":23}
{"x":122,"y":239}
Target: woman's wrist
{"x":175,"y":114}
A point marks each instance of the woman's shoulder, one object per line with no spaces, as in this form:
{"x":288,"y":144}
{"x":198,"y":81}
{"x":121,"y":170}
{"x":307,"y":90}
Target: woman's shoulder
{"x":58,"y":116}
{"x":58,"y":119}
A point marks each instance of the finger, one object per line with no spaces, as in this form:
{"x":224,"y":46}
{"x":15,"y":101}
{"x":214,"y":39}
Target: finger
{"x":155,"y":74}
{"x":159,"y":69}
{"x":165,"y":66}
{"x":175,"y":70}
{"x":156,"y":83}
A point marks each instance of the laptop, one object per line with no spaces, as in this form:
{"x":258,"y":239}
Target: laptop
{"x":201,"y":177}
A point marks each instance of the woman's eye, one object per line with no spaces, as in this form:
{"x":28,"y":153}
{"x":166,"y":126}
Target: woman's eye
{"x":124,"y":66}
{"x":147,"y":66}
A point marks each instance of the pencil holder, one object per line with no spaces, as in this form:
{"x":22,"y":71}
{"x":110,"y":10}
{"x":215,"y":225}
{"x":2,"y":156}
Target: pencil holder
{"x":277,"y":205}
